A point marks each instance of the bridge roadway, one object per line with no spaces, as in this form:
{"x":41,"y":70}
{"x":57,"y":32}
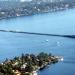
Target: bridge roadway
{"x":34,"y":33}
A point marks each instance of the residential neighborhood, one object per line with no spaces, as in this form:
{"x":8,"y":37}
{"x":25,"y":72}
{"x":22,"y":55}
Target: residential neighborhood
{"x":25,"y":8}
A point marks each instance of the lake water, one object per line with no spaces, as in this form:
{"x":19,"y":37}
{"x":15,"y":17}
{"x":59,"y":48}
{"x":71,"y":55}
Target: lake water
{"x":13,"y":44}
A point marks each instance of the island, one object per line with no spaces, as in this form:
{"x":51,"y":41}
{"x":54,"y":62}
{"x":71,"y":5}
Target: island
{"x":27,"y":64}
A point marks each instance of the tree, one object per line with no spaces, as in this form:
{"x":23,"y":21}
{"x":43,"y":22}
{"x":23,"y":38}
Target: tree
{"x":29,"y":68}
{"x":43,"y":56}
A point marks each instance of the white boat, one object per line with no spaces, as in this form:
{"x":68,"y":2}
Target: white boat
{"x":47,"y":40}
{"x":62,"y":59}
{"x":34,"y":73}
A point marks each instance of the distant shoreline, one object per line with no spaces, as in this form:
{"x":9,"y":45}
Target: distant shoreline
{"x":32,"y":8}
{"x":31,"y":14}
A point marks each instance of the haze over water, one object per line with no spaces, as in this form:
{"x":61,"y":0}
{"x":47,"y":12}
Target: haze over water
{"x":13,"y":44}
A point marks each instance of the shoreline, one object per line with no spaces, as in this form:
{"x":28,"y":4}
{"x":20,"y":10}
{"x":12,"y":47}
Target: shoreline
{"x":28,"y":64}
{"x":34,"y":14}
{"x":33,"y":8}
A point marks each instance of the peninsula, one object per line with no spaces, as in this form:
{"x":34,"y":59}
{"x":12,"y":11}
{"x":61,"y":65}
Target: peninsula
{"x":27,"y":64}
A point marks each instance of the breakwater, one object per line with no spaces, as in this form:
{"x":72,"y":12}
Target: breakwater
{"x":34,"y":33}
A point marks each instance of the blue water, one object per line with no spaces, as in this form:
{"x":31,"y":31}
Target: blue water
{"x":13,"y":44}
{"x":59,"y":22}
